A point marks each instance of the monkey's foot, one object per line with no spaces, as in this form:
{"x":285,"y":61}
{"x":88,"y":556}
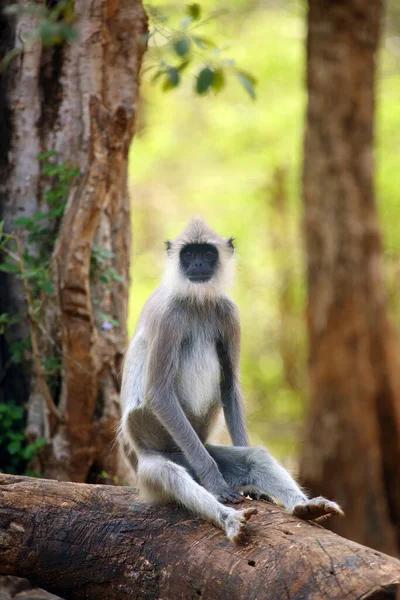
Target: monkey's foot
{"x":317,"y":508}
{"x":235,"y":524}
{"x":256,"y":495}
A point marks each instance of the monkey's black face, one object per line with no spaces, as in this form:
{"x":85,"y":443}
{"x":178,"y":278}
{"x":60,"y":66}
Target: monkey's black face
{"x":198,"y":262}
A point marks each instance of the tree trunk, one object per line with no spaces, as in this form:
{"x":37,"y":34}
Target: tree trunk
{"x":86,"y":541}
{"x":352,"y":449}
{"x":78,"y":100}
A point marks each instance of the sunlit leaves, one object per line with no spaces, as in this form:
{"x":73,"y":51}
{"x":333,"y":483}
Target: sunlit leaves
{"x":219,"y":80}
{"x":203,"y":43}
{"x":204,"y":80}
{"x":182,"y":45}
{"x":175,"y":46}
{"x":248,"y":82}
{"x":194,"y":11}
{"x":171,"y":78}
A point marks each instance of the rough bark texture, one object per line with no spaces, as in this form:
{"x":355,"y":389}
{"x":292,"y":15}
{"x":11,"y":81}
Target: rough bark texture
{"x":352,"y":449}
{"x":80,"y":101}
{"x":84,"y":541}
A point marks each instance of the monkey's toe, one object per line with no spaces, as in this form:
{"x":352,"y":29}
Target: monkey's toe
{"x":235,"y":525}
{"x":317,"y":508}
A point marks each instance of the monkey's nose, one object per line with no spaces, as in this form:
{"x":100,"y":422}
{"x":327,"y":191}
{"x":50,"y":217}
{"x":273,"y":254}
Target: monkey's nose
{"x":198,"y":263}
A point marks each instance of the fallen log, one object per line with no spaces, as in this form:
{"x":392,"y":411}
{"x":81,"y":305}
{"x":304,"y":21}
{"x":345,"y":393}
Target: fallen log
{"x":91,"y":541}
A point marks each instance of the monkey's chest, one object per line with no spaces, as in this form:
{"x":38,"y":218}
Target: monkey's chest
{"x":198,"y":379}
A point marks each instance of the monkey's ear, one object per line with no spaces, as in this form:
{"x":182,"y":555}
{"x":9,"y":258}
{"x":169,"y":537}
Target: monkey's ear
{"x":230,"y":243}
{"x":168,"y":246}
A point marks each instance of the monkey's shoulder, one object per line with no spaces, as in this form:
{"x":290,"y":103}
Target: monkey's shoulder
{"x":227,"y":308}
{"x":175,"y":317}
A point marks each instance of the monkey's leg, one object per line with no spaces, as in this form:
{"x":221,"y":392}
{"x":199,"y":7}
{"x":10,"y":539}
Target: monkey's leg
{"x":244,"y":467}
{"x":162,"y":481}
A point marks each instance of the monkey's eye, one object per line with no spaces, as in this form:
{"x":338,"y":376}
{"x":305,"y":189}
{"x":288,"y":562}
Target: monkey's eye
{"x":210,"y":254}
{"x":188,"y":254}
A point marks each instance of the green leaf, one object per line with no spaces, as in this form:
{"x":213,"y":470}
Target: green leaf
{"x":23,"y":221}
{"x":30,"y":221}
{"x":46,"y":155}
{"x":9,"y":267}
{"x":156,"y":76}
{"x":67,"y":32}
{"x":182,"y":45}
{"x":14,"y":447}
{"x":204,"y":80}
{"x":172,"y":79}
{"x":219,"y":80}
{"x":32,"y":449}
{"x":47,"y":287}
{"x":248,"y":82}
{"x":183,"y":65}
{"x":49,"y":33}
{"x":51,"y":365}
{"x":108,"y":319}
{"x":203,"y":43}
{"x":102,"y":255}
{"x":194,"y":11}
{"x":8,"y":320}
{"x":18,"y":349}
{"x":9,"y":57}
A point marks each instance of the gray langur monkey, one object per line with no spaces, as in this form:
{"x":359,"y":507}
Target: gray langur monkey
{"x":181,"y":369}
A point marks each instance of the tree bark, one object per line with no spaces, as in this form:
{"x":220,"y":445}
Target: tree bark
{"x":352,"y":448}
{"x":78,"y":100}
{"x":86,"y":541}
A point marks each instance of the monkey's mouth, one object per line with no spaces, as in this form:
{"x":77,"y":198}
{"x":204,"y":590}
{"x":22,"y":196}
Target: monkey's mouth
{"x":199,"y":278}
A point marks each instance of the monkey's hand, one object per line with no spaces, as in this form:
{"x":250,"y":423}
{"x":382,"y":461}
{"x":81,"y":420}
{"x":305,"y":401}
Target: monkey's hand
{"x":317,"y":508}
{"x":229,"y":495}
{"x":222,"y":491}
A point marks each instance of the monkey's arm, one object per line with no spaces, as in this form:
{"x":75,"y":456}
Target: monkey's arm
{"x":162,"y":366}
{"x":228,"y":348}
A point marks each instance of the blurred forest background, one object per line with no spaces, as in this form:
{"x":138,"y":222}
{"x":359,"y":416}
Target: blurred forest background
{"x":73,"y":95}
{"x":238,"y":164}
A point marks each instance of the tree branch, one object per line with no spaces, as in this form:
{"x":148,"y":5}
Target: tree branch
{"x":91,"y":541}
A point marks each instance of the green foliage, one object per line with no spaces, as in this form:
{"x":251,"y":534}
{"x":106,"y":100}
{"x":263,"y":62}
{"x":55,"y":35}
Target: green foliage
{"x":175,"y":46}
{"x":28,"y":250}
{"x":15,"y":450}
{"x":19,"y":348}
{"x":107,"y":321}
{"x":205,"y":80}
{"x":27,"y":254}
{"x":100,"y":268}
{"x":40,"y":230}
{"x":6,"y":321}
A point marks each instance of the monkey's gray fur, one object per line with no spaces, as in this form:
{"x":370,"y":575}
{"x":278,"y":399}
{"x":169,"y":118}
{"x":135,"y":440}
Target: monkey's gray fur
{"x":180,"y":371}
